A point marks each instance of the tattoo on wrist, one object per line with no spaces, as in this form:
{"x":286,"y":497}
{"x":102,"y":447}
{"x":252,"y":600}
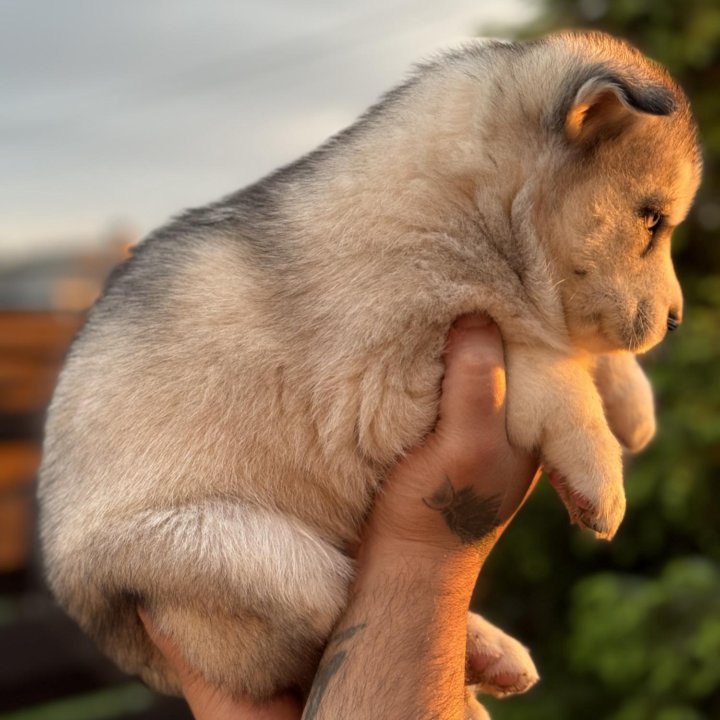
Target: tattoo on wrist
{"x":470,"y":517}
{"x":346,"y":634}
{"x":328,"y":669}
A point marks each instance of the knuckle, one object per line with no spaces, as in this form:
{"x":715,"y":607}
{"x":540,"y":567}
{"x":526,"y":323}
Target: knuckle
{"x":466,"y":454}
{"x":478,"y":361}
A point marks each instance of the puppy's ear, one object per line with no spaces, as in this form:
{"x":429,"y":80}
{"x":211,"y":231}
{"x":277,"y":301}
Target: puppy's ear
{"x":605,"y":105}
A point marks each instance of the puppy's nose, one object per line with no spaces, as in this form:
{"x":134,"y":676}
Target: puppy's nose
{"x":673,"y":321}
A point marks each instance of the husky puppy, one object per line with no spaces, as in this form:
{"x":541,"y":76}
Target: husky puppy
{"x":253,"y":371}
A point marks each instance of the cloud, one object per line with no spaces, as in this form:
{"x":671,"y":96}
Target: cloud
{"x":136,"y":109}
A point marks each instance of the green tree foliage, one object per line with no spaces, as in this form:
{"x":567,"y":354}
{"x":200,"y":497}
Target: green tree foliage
{"x":631,"y":630}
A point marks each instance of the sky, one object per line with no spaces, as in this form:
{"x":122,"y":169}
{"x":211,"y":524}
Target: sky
{"x":120,"y":113}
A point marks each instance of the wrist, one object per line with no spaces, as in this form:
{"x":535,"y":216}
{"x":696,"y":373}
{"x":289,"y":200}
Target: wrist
{"x":440,"y":566}
{"x":459,"y":533}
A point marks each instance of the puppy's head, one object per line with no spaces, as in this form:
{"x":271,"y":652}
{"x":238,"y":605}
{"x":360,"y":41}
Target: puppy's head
{"x":626,"y":170}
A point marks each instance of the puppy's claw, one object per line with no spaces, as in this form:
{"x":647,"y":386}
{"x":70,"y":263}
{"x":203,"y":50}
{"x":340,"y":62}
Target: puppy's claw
{"x":583,"y":512}
{"x":596,"y":526}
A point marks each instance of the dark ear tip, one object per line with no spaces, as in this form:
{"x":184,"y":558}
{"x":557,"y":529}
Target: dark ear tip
{"x":652,"y":100}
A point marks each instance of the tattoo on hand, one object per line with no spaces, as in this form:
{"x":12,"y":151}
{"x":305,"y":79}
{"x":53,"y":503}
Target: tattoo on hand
{"x":327,"y":671}
{"x":470,"y":517}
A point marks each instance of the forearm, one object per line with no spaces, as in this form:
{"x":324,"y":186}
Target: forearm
{"x":399,"y":651}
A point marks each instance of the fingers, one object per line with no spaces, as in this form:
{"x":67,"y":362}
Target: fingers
{"x":209,"y":702}
{"x":471,"y":426}
{"x":473,"y":391}
{"x":167,"y":647}
{"x":465,"y":476}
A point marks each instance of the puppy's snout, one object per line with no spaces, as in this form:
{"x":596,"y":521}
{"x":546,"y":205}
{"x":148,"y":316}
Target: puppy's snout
{"x":673,"y":320}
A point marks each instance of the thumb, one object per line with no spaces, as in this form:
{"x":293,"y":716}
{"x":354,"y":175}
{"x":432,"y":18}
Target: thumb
{"x":473,"y":390}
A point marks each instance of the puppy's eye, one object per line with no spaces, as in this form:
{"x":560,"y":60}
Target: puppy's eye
{"x":653,"y":220}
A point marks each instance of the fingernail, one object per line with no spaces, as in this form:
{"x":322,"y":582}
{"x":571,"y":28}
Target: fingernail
{"x":474,"y":320}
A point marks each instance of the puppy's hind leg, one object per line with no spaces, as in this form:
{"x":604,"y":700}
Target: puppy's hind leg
{"x":496,"y":664}
{"x":249,"y":596}
{"x":473,"y":709}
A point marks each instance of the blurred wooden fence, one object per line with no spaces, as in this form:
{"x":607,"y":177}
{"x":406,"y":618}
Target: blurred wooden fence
{"x":48,"y":669}
{"x":32,"y":348}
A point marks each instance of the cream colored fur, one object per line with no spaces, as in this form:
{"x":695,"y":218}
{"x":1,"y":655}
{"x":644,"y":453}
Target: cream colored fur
{"x":236,"y":399}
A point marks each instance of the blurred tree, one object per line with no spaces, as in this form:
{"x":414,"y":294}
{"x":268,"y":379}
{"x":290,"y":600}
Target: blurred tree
{"x":631,"y":630}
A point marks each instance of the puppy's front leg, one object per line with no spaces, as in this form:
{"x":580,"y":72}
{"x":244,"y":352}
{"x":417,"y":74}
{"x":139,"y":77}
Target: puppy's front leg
{"x":627,"y":398}
{"x":553,"y":405}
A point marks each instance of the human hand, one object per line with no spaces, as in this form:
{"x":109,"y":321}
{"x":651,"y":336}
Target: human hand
{"x":402,"y":643}
{"x":464,"y":483}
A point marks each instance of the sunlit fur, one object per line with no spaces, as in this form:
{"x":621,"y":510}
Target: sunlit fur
{"x":238,"y":395}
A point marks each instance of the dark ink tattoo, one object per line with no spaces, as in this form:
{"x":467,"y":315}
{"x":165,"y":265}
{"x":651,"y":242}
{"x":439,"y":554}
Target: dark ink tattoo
{"x":346,"y":634}
{"x":470,"y":517}
{"x":325,"y":673}
{"x":327,"y":670}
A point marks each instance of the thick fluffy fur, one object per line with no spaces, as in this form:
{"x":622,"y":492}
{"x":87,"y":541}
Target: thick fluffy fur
{"x":240,"y":391}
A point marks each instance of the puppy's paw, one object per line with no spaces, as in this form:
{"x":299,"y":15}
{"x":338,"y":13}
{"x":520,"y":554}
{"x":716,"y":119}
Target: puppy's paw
{"x":496,"y":663}
{"x":627,"y":399}
{"x":632,"y":419}
{"x":599,"y":509}
{"x":636,"y":433}
{"x":584,"y":461}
